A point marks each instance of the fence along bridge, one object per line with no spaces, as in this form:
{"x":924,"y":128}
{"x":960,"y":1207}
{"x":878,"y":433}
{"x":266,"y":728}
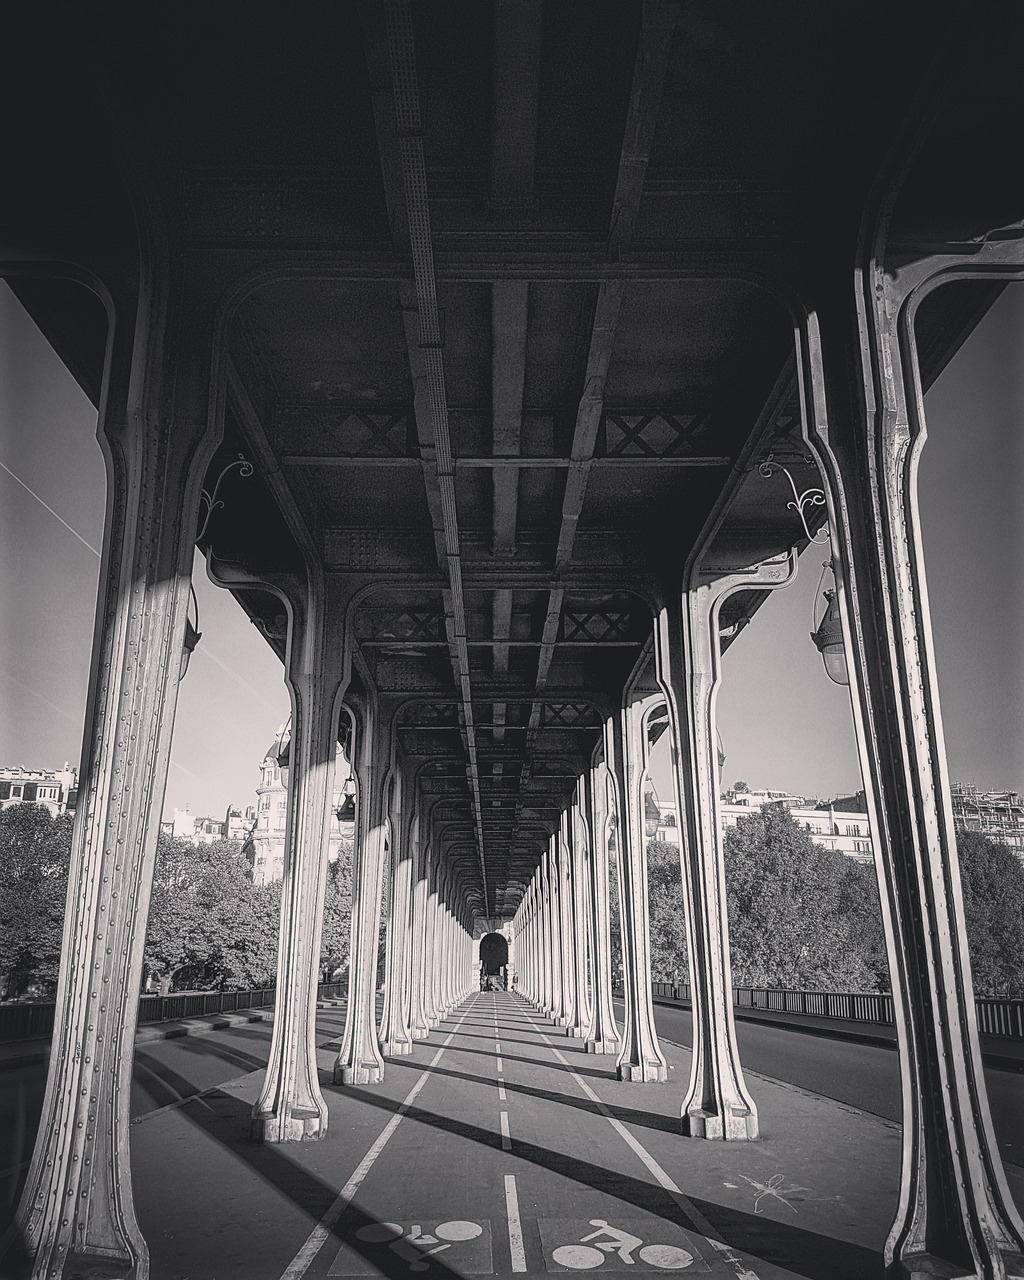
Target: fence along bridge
{"x":501,"y":359}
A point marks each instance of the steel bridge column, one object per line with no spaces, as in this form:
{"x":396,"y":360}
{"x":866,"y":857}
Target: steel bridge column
{"x":557,"y":993}
{"x":395,"y":1033}
{"x":546,"y":936}
{"x":359,"y":1058}
{"x":430,"y":1009}
{"x":76,"y":1214}
{"x":640,"y":1058}
{"x":583,"y":866}
{"x":419,"y":1028}
{"x":291,"y":1107}
{"x":866,"y":425}
{"x":602,"y":1034}
{"x":567,"y":923}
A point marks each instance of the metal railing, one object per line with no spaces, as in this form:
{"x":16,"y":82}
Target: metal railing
{"x":35,"y":1021}
{"x":1003,"y":1018}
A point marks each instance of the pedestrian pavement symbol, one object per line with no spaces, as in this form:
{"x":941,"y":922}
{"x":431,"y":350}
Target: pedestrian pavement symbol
{"x":413,"y":1248}
{"x":597,"y":1244}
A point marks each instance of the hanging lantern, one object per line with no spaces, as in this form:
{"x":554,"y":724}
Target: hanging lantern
{"x":828,"y":639}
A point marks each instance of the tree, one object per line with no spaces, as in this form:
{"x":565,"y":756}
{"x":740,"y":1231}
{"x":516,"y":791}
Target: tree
{"x":209,"y":925}
{"x":993,"y":886}
{"x":665,"y":903}
{"x":335,"y":942}
{"x":800,"y":915}
{"x":35,"y":854}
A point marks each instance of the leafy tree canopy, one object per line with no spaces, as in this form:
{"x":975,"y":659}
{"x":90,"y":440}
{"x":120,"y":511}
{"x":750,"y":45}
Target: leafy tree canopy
{"x":993,"y":886}
{"x":35,"y":853}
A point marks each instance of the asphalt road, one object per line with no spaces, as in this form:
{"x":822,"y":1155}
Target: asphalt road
{"x":170,"y":1071}
{"x":859,"y":1075}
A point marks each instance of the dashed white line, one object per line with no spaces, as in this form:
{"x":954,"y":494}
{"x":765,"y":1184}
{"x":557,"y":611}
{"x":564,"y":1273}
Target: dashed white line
{"x":506,"y":1137}
{"x":501,"y":1090}
{"x":497,"y":1047}
{"x":688,"y":1207}
{"x":321,"y":1233}
{"x":515,"y":1227}
{"x":501,"y":1067}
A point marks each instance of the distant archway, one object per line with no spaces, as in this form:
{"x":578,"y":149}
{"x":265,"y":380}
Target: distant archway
{"x":493,"y":953}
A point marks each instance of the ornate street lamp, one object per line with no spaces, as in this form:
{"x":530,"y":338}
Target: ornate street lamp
{"x":828,"y":630}
{"x":828,"y":638}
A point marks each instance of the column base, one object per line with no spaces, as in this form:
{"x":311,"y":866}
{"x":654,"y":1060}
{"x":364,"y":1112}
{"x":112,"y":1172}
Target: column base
{"x":395,"y":1048}
{"x":737,"y":1125}
{"x":603,"y":1046}
{"x":361,"y":1073}
{"x":420,"y":1033}
{"x":642,"y":1072}
{"x":298,"y":1124}
{"x":926,"y":1266}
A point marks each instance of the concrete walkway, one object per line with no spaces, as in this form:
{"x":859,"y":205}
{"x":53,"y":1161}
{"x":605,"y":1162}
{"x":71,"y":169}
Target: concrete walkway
{"x":500,"y":1147}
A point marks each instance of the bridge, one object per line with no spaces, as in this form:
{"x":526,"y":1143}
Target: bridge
{"x":501,"y":359}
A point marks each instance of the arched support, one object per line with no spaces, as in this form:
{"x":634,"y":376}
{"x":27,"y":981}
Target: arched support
{"x":359,"y":1058}
{"x":77,"y":1215}
{"x":395,"y":1032}
{"x":688,"y":655}
{"x":955,"y":1216}
{"x":640,"y":1057}
{"x":291,"y":1106}
{"x":568,"y":935}
{"x":602,"y":1034}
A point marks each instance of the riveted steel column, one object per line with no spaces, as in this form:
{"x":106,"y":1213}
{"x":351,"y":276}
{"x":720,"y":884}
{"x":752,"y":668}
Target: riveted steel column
{"x":567,"y":922}
{"x":717,"y":1103}
{"x":419,"y":1028}
{"x":291,"y":1106}
{"x":602,"y":1034}
{"x":77,"y":1215}
{"x":583,"y":868}
{"x":640,"y":1058}
{"x":865,"y":422}
{"x":359,"y":1058}
{"x":395,"y":1034}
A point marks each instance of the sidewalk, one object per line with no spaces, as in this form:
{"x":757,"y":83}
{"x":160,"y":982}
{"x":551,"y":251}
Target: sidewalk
{"x":996,"y":1051}
{"x":22,"y":1052}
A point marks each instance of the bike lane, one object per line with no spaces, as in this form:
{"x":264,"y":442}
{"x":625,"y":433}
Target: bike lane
{"x":501,"y":1164}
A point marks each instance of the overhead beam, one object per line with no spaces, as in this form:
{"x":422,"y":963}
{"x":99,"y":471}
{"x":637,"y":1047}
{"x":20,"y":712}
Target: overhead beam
{"x":516,"y":95}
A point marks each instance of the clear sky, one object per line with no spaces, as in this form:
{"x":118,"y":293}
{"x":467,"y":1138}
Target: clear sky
{"x":782,"y":723}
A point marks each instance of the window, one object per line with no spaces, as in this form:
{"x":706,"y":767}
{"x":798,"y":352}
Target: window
{"x":15,"y":792}
{"x":852,"y":829}
{"x":5,"y":791}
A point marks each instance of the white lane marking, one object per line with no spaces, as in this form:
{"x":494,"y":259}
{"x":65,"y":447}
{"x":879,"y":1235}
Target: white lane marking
{"x":501,"y":1090}
{"x":321,"y":1233}
{"x":515,"y":1227}
{"x":506,"y":1137}
{"x":500,"y":1066}
{"x":497,"y":1047}
{"x":684,"y":1203}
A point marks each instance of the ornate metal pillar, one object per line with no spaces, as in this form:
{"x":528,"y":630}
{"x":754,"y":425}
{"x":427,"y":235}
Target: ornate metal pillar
{"x":419,"y":1028}
{"x":76,"y":1214}
{"x":583,"y":871}
{"x":359,"y":1059}
{"x":602,"y":1034}
{"x":556,"y":997}
{"x":291,"y":1107}
{"x":395,"y":1033}
{"x":567,"y":923}
{"x":545,"y":935}
{"x":640,"y":1058}
{"x":430,"y":1010}
{"x":865,"y":424}
{"x":688,"y":653}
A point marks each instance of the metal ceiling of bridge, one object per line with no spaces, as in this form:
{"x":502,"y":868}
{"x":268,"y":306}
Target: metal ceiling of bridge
{"x":513,"y":336}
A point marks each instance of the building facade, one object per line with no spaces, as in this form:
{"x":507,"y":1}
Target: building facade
{"x":835,"y":827}
{"x":55,"y":789}
{"x":265,"y":840}
{"x":996,"y":814}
